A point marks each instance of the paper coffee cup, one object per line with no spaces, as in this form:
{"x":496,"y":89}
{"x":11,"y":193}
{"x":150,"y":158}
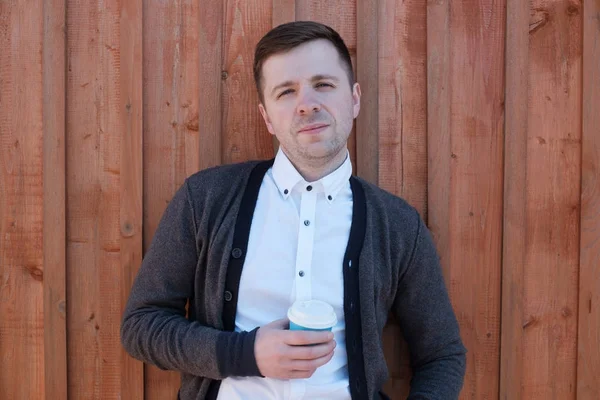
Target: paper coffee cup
{"x":311,"y":315}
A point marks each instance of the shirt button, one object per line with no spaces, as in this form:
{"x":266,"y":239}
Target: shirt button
{"x":236,"y":253}
{"x":301,"y":273}
{"x":309,"y":188}
{"x":228,"y":295}
{"x":306,"y":223}
{"x":330,"y":198}
{"x":286,"y":191}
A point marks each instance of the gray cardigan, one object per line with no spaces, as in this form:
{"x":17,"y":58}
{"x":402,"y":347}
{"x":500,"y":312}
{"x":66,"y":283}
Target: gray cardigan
{"x":197,"y":255}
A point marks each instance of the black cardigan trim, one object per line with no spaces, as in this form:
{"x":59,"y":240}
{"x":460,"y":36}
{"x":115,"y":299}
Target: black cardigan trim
{"x":356,"y":366}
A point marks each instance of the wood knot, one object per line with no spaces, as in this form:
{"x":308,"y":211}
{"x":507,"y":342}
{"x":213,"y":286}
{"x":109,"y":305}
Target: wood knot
{"x":127,"y":229}
{"x":572,"y":10}
{"x":35,"y":272}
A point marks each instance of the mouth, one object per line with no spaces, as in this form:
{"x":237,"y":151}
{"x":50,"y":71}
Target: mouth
{"x":314,"y":128}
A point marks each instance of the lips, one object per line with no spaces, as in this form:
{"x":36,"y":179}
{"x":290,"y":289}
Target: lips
{"x":313,"y":128}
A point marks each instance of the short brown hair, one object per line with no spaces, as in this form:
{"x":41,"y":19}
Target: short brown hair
{"x":287,"y":36}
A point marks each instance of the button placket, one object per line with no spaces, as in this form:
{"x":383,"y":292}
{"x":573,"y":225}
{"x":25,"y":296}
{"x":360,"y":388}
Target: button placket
{"x":306,"y":235}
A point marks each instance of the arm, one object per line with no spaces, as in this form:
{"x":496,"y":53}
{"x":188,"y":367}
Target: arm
{"x":154,"y":328}
{"x":429,"y":325}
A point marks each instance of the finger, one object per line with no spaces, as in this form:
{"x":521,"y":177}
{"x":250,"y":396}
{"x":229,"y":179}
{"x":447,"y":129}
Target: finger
{"x":300,"y":374}
{"x":301,"y":338}
{"x":310,"y":352}
{"x":308,"y":365}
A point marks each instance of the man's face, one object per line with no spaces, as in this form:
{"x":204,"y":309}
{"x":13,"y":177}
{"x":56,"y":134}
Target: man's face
{"x":308,"y":102}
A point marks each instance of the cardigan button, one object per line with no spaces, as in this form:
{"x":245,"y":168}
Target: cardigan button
{"x":357,"y":387}
{"x":228,"y":295}
{"x":236,"y":253}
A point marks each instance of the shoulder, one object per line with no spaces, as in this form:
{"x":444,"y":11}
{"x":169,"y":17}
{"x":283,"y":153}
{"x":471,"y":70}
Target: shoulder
{"x":221,"y":174}
{"x":391,"y":207}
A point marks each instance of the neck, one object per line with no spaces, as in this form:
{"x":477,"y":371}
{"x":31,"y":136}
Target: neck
{"x":313,"y":170}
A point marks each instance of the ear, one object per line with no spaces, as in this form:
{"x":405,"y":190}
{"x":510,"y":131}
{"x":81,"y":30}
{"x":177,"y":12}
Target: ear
{"x":356,"y":99}
{"x":265,"y":116}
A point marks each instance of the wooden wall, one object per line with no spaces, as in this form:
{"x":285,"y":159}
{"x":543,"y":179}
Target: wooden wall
{"x":483,"y":114}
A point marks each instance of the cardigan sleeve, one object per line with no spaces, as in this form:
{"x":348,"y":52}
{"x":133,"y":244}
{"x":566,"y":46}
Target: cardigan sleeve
{"x":429,"y":325}
{"x":154,"y":328}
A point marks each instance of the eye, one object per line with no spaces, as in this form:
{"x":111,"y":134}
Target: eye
{"x":324,"y":84}
{"x":287,"y":91}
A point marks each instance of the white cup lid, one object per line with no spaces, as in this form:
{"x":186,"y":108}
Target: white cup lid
{"x":312,"y":314}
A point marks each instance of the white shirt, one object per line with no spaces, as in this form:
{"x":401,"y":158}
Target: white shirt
{"x":296,"y":248}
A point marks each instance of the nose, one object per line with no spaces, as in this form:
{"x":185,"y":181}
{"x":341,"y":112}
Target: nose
{"x":308,"y":103}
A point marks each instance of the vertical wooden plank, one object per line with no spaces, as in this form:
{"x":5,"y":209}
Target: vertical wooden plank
{"x":367,"y":123}
{"x":403,"y":100}
{"x":172,"y":144}
{"x":469,"y":207}
{"x":244,"y":133}
{"x":96,"y":101}
{"x":402,"y":118}
{"x":21,"y":201}
{"x":588,"y":355}
{"x":553,"y":201}
{"x":438,"y":128}
{"x":515,"y":200}
{"x":283,"y":11}
{"x":211,"y":77}
{"x":54,"y":231}
{"x":131,"y":193}
{"x":341,"y":16}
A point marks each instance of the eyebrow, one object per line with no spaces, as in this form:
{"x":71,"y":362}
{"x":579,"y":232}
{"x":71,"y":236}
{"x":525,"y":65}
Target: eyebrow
{"x":319,"y":77}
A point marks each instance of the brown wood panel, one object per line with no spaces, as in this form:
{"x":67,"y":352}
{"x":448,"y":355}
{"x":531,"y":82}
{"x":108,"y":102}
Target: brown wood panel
{"x":21,"y":201}
{"x":553,"y":201}
{"x":54,"y":232}
{"x":515,"y":198}
{"x":131,"y":195}
{"x":475,"y":104}
{"x":96,"y":102}
{"x":210,"y":121}
{"x":588,"y":355}
{"x":341,"y":16}
{"x":283,"y":11}
{"x":245,"y":136}
{"x":367,"y":61}
{"x":402,"y":135}
{"x":172,"y":144}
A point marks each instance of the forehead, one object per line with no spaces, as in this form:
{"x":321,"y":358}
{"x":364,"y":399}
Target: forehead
{"x":317,"y":57}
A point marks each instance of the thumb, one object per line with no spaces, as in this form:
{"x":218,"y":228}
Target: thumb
{"x":279,"y":324}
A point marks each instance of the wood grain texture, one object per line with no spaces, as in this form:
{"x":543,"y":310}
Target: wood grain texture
{"x":515,"y":199}
{"x":21,"y":201}
{"x":94,"y":149}
{"x":245,"y":135}
{"x":54,"y":233}
{"x":367,"y":123}
{"x":553,"y":201}
{"x":131,"y":193}
{"x":475,"y":104}
{"x":403,"y":100}
{"x":402,"y":136}
{"x":210,"y":111}
{"x":588,"y":354}
{"x":172,"y":144}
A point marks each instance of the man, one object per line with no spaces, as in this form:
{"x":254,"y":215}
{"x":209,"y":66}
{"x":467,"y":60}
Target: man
{"x":242,"y":242}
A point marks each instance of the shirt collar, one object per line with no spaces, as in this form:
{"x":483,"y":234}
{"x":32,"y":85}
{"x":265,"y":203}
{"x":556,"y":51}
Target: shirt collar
{"x":286,"y":177}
